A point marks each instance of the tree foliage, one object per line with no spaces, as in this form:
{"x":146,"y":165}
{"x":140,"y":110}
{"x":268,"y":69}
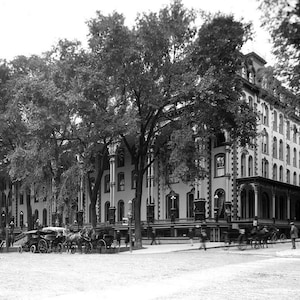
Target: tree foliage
{"x":282,"y":19}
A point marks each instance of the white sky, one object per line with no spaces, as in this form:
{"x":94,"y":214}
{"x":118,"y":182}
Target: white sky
{"x":32,"y":26}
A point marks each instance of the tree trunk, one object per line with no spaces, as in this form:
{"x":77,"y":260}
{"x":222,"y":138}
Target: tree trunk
{"x":29,"y":213}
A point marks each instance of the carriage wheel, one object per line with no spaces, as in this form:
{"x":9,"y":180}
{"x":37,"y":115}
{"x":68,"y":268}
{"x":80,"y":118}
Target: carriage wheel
{"x":73,"y":249}
{"x":282,"y":238}
{"x":32,"y":248}
{"x":60,"y":247}
{"x":42,"y":246}
{"x":20,"y":249}
{"x":101,"y":246}
{"x":274,"y":237}
{"x":242,"y":243}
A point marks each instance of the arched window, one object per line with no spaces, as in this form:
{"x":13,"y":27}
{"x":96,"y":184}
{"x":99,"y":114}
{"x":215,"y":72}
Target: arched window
{"x":251,"y":103}
{"x":120,"y":210}
{"x":295,"y":157}
{"x":243,"y":165}
{"x":172,"y":204}
{"x":295,"y":134}
{"x":265,"y":115}
{"x":134,"y":179}
{"x":281,"y":123}
{"x":44,"y":221}
{"x":295,"y":178}
{"x":120,"y":157}
{"x":288,"y":154}
{"x":275,"y":147}
{"x":274,"y":172}
{"x":265,"y":168}
{"x":220,"y":165}
{"x":288,"y":176}
{"x":281,"y":173}
{"x":250,"y":166}
{"x":288,"y":130}
{"x":190,"y":205}
{"x":121,"y":181}
{"x":275,"y":121}
{"x":106,"y":183}
{"x":265,"y":142}
{"x":106,"y":211}
{"x":281,"y":149}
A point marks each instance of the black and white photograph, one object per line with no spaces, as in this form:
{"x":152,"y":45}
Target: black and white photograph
{"x":149,"y":150}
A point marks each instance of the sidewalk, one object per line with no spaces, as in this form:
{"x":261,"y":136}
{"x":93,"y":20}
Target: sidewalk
{"x":169,"y":248}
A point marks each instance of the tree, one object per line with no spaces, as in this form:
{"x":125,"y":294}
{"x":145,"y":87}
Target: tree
{"x":282,"y":19}
{"x":159,"y":73}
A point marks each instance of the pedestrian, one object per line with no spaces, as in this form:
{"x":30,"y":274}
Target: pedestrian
{"x":294,"y":234}
{"x":203,"y":238}
{"x":191,"y":236}
{"x":153,"y":237}
{"x":118,"y":238}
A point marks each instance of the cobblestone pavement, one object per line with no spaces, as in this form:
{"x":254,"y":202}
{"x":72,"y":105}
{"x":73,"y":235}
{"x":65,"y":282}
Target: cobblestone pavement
{"x":156,"y":272}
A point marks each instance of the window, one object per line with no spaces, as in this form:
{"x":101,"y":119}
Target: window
{"x":288,"y":154}
{"x":266,"y":206}
{"x":220,"y":165}
{"x":120,"y":210}
{"x":133,"y":179}
{"x":275,"y":121}
{"x":219,"y":203}
{"x":265,"y":114}
{"x":120,"y":158}
{"x":250,"y":166}
{"x":251,"y":103}
{"x":281,"y":149}
{"x":295,"y":134}
{"x":107,"y":183}
{"x":295,"y":157}
{"x":275,"y":147}
{"x":121,"y":181}
{"x":265,"y":142}
{"x":288,"y":176}
{"x":281,"y":124}
{"x":295,"y":178}
{"x":288,"y":132}
{"x":274,"y":172}
{"x":106,"y":211}
{"x":265,"y":168}
{"x":281,"y":173}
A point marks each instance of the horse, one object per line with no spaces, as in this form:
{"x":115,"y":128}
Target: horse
{"x":260,"y":237}
{"x":74,"y":239}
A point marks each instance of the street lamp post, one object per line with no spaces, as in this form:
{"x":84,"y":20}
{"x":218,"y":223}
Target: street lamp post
{"x":130,"y":222}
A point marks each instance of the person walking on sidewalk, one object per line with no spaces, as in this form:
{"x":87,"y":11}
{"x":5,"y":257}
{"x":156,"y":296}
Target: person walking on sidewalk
{"x":153,"y":237}
{"x":294,"y":234}
{"x":203,"y":238}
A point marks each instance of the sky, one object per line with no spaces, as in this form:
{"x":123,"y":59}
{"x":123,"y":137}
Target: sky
{"x":30,"y":27}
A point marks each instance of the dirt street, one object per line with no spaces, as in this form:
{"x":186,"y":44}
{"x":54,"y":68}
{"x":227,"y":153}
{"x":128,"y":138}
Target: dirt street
{"x":192,"y":274}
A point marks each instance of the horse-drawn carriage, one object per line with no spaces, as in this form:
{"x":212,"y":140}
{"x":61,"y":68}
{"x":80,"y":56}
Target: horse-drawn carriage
{"x":244,"y":235}
{"x":45,"y":240}
{"x":89,"y":240}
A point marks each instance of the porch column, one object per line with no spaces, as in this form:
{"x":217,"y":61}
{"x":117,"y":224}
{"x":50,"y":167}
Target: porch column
{"x":273,"y":203}
{"x":255,"y":200}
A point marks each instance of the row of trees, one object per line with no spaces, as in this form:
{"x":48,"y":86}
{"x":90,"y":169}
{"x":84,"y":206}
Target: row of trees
{"x":159,"y":84}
